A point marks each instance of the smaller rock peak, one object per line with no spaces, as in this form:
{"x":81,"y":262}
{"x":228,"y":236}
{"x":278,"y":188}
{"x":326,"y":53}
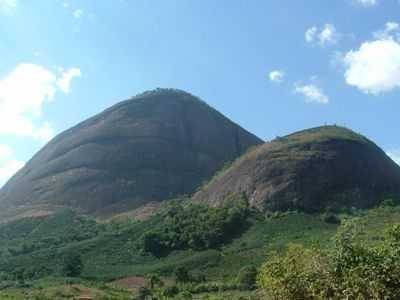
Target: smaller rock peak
{"x":327,"y":132}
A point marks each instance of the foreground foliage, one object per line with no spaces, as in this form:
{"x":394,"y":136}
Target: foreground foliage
{"x":109,"y":251}
{"x":352,"y":270}
{"x":354,"y":265}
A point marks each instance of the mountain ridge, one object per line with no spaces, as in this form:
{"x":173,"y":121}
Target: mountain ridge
{"x":153,"y":147}
{"x":285,"y":173}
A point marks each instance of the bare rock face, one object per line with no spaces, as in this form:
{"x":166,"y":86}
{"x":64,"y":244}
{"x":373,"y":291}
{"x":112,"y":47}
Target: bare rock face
{"x":315,"y":169}
{"x":153,"y":147}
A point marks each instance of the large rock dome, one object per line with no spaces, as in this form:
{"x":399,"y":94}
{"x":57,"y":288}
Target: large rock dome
{"x":311,"y":170}
{"x":155,"y":146}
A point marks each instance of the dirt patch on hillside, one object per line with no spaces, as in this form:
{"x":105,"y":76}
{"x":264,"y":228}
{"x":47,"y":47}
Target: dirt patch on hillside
{"x":141,"y":214}
{"x":130,"y":283}
{"x":24,"y":212}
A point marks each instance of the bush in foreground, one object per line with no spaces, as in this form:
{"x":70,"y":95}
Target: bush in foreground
{"x":350,"y":271}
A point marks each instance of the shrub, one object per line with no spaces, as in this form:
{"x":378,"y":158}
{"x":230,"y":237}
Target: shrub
{"x":170,"y":291}
{"x":143,"y":293}
{"x":72,"y":265}
{"x":388,"y":203}
{"x":331,"y":219}
{"x":185,"y":295}
{"x":350,"y":271}
{"x":247,"y":277}
{"x":155,"y":281}
{"x":182,"y":275}
{"x":290,"y":276}
{"x":153,"y":243}
{"x":195,"y":227}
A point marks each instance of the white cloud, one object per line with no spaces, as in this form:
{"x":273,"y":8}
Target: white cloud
{"x":16,"y":125}
{"x":23,"y":92}
{"x":9,"y":165}
{"x":77,"y":13}
{"x":276,"y":76}
{"x":65,"y":81}
{"x":310,"y":34}
{"x":8,"y":6}
{"x":390,"y":26}
{"x":395,"y":155}
{"x":391,"y":31}
{"x":5,"y":151}
{"x":375,"y":67}
{"x":327,"y":35}
{"x":25,"y":89}
{"x":366,"y":3}
{"x":9,"y":168}
{"x":311,"y":93}
{"x":44,"y":133}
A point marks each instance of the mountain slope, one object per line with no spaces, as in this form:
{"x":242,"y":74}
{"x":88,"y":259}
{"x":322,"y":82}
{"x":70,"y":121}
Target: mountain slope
{"x":155,"y":146}
{"x":111,"y":250}
{"x":324,"y":167}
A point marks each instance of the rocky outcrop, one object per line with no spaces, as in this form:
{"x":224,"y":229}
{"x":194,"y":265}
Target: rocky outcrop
{"x":324,"y":167}
{"x":153,"y":147}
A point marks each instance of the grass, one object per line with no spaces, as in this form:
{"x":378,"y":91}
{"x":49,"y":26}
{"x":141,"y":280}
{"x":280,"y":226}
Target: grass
{"x":323,"y":133}
{"x":232,"y":295}
{"x":63,"y":288}
{"x":110,"y":250}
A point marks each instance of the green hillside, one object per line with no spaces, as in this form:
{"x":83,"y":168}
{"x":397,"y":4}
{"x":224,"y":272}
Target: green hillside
{"x":35,"y":249}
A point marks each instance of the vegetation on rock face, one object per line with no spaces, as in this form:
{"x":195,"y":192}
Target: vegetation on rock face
{"x":327,"y":167}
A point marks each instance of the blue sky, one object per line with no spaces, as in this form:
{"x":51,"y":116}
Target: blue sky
{"x":272,"y":66}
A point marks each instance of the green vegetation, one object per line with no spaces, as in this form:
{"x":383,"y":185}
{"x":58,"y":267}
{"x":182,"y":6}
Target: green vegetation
{"x":115,"y":250}
{"x":109,"y":251}
{"x":322,"y":133}
{"x":51,"y":288}
{"x":351,"y":270}
{"x":195,"y":227}
{"x":247,"y":277}
{"x":72,"y":265}
{"x":182,"y":275}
